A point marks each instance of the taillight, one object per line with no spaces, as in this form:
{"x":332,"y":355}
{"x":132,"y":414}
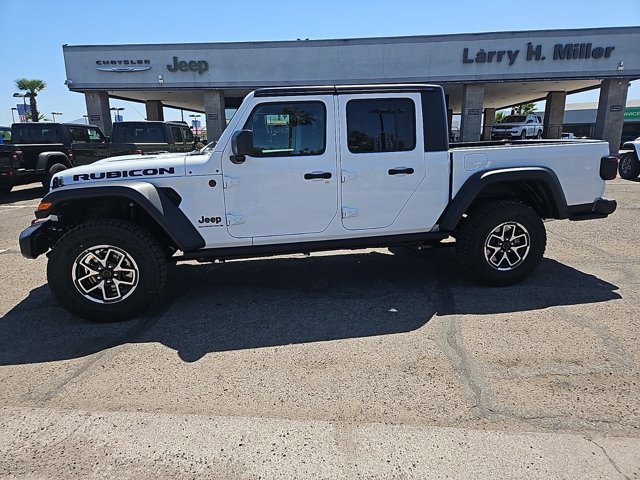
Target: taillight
{"x":608,"y":167}
{"x":136,"y":152}
{"x":16,"y":158}
{"x":70,"y":154}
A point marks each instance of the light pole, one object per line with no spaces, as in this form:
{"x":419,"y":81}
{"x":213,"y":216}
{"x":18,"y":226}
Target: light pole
{"x":13,"y":119}
{"x":195,"y":122}
{"x":116,"y":113}
{"x":54,"y":115}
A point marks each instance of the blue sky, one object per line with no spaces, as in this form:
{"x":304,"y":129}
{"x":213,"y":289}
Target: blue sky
{"x":33,"y":32}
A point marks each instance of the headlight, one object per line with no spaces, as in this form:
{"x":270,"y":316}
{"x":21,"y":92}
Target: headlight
{"x":57,"y":182}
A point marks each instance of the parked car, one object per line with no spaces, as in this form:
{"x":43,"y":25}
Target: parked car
{"x":150,"y":138}
{"x":517,"y":127}
{"x":304,"y":169}
{"x":39,"y":150}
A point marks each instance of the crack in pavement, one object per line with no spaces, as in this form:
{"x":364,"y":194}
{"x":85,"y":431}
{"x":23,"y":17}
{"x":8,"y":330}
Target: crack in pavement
{"x":613,"y":464}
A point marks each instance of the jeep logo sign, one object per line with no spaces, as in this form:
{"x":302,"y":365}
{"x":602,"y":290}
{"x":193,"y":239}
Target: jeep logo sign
{"x":199,"y":66}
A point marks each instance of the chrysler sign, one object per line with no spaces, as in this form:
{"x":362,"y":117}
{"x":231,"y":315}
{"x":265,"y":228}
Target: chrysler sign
{"x":123,"y":65}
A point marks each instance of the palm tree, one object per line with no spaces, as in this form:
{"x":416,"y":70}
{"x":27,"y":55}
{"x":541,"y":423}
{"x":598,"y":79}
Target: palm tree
{"x":523,"y":108}
{"x":31,"y":87}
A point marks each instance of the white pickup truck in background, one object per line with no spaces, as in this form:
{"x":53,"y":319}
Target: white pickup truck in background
{"x":629,"y":167}
{"x":305,"y":169}
{"x":517,"y":126}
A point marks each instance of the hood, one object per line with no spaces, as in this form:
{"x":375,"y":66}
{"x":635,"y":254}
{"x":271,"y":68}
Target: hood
{"x":127,"y":167}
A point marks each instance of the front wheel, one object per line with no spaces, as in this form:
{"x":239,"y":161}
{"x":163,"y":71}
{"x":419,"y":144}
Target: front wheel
{"x":539,"y":134}
{"x":501,"y":243}
{"x":523,"y":135}
{"x":629,"y":167}
{"x":106,"y":270}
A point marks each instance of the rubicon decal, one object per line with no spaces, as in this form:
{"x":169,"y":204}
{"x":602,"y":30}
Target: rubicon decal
{"x":142,"y":172}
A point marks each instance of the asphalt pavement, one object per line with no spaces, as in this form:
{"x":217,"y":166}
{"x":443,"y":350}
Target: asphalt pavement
{"x":351,"y":364}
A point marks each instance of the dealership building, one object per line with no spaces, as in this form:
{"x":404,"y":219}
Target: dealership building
{"x":480,"y":73}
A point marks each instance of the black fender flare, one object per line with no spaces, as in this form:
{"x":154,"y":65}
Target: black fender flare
{"x":152,"y":200}
{"x":44,"y":157}
{"x":474,"y":185}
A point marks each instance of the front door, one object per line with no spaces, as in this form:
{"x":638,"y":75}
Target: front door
{"x":289,"y":185}
{"x":382,"y":157}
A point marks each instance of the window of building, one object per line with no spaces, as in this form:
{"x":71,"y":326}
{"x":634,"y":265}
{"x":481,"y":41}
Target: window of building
{"x":381,"y":125}
{"x":288,"y":129}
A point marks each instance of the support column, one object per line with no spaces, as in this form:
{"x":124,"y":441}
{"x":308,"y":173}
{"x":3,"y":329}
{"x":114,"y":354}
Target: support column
{"x":472,"y":103}
{"x":98,"y":110}
{"x":214,"y":114}
{"x":554,"y":114}
{"x":487,"y":123}
{"x":154,"y":110}
{"x":613,"y":98}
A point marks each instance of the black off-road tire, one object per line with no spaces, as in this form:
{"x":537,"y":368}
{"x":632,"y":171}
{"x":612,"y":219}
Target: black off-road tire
{"x":629,"y":166}
{"x":97,"y":246}
{"x":53,"y":169}
{"x":479,"y":248}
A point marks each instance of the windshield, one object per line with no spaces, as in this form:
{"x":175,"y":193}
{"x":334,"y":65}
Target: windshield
{"x":514,"y":119}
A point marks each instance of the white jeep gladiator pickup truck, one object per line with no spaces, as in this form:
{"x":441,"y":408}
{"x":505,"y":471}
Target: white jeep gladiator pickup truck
{"x":305,"y":169}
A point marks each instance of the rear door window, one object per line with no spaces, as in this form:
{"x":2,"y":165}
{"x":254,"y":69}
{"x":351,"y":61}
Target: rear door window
{"x":176,"y":135}
{"x":381,"y":125}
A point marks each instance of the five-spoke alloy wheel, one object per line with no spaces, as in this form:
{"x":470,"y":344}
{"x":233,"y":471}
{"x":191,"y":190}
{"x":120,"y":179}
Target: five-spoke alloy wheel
{"x":107,"y":270}
{"x":501,"y":242}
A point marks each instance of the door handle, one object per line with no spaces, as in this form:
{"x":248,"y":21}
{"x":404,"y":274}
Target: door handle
{"x":317,"y":175}
{"x":401,"y":171}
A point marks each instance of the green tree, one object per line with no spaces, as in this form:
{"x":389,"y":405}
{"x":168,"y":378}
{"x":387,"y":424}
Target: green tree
{"x":523,"y":108}
{"x":500,"y":116}
{"x":31,"y":87}
{"x":27,"y":117}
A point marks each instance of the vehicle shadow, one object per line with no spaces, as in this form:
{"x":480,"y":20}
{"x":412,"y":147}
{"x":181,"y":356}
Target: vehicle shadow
{"x":22,"y":195}
{"x":281,"y":301}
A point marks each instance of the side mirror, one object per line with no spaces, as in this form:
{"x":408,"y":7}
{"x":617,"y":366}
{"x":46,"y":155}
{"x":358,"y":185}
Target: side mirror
{"x":241,"y":145}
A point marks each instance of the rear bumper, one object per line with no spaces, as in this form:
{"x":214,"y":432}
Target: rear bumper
{"x":35,"y":240}
{"x":601,"y":208}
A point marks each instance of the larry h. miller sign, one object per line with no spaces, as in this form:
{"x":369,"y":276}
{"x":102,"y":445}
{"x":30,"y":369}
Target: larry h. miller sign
{"x":536,"y":53}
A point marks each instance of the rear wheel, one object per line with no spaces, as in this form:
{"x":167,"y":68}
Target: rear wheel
{"x":106,"y":270}
{"x":53,"y":169}
{"x":501,"y":243}
{"x":629,"y":166}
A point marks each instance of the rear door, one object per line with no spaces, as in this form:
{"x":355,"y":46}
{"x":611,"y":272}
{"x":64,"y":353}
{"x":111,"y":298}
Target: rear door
{"x":382,"y":157}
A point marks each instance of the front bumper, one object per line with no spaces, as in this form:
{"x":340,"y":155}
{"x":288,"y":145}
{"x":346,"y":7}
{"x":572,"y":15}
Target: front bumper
{"x":601,"y":208}
{"x":35,"y":239}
